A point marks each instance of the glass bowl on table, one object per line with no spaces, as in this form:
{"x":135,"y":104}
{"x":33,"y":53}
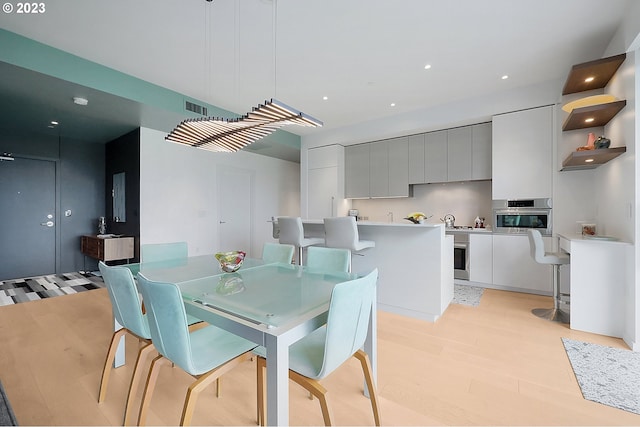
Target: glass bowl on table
{"x":230,"y":262}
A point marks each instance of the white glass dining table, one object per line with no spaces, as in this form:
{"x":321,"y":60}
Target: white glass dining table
{"x":272,"y":305}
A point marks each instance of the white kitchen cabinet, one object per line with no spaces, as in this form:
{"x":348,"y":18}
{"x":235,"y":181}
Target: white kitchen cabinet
{"x":515,"y":269}
{"x":416,"y":159}
{"x":435,"y":156}
{"x":459,"y":152}
{"x":356,"y":171}
{"x":481,"y":257}
{"x":325,"y":181}
{"x":522,"y":154}
{"x":481,"y":151}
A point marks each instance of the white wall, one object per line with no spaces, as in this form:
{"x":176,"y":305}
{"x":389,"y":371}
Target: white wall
{"x":178,"y":193}
{"x":464,"y":200}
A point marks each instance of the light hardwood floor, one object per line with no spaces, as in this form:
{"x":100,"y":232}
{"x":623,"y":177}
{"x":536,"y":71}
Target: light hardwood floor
{"x":495,"y":364}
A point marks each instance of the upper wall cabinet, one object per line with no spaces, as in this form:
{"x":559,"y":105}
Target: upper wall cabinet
{"x":377,"y":169}
{"x":458,"y":154}
{"x":522,"y":155}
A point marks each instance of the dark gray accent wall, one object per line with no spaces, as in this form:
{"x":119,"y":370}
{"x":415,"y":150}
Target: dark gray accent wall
{"x":79,"y":188}
{"x":81,"y":172}
{"x":123,"y":155}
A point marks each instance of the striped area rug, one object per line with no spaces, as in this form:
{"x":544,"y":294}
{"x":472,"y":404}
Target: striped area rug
{"x":36,"y":288}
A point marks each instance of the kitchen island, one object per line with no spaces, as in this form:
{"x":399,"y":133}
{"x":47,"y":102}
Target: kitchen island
{"x":414,"y":261}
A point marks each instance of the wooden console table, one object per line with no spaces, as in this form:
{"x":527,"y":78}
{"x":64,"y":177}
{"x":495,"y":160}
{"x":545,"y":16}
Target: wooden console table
{"x":107,"y":249}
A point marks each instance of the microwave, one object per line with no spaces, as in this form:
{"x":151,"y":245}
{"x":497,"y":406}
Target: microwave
{"x":519,"y":215}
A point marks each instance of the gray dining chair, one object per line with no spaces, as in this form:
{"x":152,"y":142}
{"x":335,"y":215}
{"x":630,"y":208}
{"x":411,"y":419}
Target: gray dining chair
{"x":292,"y":233}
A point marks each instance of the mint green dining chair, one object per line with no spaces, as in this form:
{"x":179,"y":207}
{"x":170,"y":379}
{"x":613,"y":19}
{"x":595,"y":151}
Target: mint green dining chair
{"x":156,"y":252}
{"x":328,"y":259}
{"x":277,"y":252}
{"x":317,"y":355}
{"x":127,"y":311}
{"x":205,"y":354}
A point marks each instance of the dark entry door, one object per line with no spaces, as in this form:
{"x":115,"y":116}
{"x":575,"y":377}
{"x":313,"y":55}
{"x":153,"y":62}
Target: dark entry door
{"x":27,"y":218}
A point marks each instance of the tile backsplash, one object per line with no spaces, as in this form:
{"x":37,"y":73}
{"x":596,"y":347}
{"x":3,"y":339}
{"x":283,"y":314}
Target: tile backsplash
{"x":465,"y":200}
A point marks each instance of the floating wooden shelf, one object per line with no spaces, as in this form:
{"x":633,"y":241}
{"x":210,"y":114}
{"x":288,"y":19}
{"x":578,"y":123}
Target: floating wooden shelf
{"x":601,"y":114}
{"x":577,"y":159}
{"x":601,"y":70}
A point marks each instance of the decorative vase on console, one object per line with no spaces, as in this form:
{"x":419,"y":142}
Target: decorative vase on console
{"x":102,"y":225}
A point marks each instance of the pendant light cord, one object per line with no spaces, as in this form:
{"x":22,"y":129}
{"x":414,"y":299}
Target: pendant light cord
{"x":274,"y":20}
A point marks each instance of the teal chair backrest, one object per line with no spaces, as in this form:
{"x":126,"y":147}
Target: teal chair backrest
{"x":277,"y":252}
{"x":125,"y":300}
{"x":155,"y":252}
{"x":328,"y":259}
{"x":348,"y":320}
{"x":167,"y":321}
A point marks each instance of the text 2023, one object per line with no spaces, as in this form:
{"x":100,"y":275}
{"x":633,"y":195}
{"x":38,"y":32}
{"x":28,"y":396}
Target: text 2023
{"x":30,"y":8}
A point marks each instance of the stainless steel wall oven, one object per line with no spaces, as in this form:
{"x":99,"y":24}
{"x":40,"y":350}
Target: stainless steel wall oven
{"x":517,"y":216}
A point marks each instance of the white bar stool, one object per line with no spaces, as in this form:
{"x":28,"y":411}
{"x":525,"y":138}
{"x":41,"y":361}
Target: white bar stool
{"x":556,"y":259}
{"x":342,"y":232}
{"x":292,"y":233}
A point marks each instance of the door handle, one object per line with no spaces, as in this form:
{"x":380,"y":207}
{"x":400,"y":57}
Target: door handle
{"x":47,"y":224}
{"x":223,"y":222}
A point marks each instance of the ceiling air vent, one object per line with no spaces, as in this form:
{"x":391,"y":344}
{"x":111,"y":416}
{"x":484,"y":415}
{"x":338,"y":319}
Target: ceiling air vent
{"x":195,"y":108}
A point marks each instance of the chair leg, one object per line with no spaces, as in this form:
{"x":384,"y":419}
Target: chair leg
{"x":261,"y":364}
{"x":143,"y":357}
{"x":150,"y":386}
{"x":553,"y":314}
{"x":203,"y":381}
{"x":368,"y":377}
{"x":108,"y":363}
{"x":315,"y":388}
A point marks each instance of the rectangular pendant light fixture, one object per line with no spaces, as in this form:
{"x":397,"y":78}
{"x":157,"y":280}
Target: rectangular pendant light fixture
{"x":230,"y":135}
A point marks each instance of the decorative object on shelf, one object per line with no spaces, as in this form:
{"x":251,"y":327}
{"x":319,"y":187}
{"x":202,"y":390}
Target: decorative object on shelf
{"x":602,"y":142}
{"x":102,"y":225}
{"x":591,"y":139}
{"x":479,"y":222}
{"x":417,"y":217}
{"x":230,"y":262}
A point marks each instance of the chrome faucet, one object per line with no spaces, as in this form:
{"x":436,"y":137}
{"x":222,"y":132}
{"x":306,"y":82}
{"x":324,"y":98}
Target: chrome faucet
{"x":390,"y":216}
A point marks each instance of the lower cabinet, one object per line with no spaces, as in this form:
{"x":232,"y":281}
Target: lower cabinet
{"x":481,"y":257}
{"x":514,"y":268}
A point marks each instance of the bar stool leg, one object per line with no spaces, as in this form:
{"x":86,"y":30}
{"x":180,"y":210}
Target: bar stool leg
{"x":553,"y":314}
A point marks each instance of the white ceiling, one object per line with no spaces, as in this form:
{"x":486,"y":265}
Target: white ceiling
{"x":362,"y":54}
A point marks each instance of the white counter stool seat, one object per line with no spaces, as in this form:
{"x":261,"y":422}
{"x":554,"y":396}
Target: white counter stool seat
{"x":292,"y":233}
{"x":556,"y":259}
{"x":342,"y":232}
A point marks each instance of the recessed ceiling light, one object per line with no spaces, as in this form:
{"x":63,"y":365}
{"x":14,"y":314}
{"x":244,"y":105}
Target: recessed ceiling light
{"x":505,"y":77}
{"x":589,"y":79}
{"x":325,"y":98}
{"x":588,"y":160}
{"x":428,"y":66}
{"x":393,"y":104}
{"x":589,"y":120}
{"x":80,"y":101}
